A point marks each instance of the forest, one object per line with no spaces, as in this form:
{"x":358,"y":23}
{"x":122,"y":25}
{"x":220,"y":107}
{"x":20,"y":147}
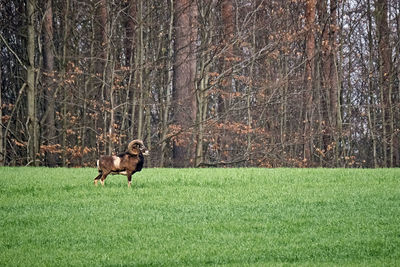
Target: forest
{"x":261,"y":83}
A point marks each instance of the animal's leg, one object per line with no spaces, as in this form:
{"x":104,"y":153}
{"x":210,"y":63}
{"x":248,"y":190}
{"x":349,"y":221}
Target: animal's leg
{"x":103,"y":177}
{"x":129,"y":175}
{"x":97,"y":178}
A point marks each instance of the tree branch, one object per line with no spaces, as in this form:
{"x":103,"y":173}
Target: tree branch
{"x":13,"y":52}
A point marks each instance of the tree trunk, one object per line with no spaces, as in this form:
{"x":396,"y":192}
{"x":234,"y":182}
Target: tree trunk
{"x":185,"y":63}
{"x":202,"y":83}
{"x":141,"y":56}
{"x":62,"y":75}
{"x":385,"y":73}
{"x":2,"y":150}
{"x":102,"y":66}
{"x":396,"y":97}
{"x":134,"y":55}
{"x":330,"y":94}
{"x":30,"y":80}
{"x":333,"y":76}
{"x":49,"y":88}
{"x":111,"y":128}
{"x":168,"y":86}
{"x":228,"y":26}
{"x":309,"y":75}
{"x":130,"y":63}
{"x":249,"y":92}
{"x":371,"y":101}
{"x":225,"y":100}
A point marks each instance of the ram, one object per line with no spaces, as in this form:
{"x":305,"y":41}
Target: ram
{"x":126,"y":163}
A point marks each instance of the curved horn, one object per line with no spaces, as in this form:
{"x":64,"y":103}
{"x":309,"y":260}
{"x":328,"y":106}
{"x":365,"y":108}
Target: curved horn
{"x":134,"y":142}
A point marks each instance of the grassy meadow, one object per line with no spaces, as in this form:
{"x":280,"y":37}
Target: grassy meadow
{"x":198,"y":217}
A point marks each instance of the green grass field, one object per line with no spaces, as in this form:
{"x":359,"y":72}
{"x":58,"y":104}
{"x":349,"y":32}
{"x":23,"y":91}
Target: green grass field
{"x":197,"y":217}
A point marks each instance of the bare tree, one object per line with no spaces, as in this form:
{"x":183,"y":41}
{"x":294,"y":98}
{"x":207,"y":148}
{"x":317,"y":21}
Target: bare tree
{"x":32,"y":122}
{"x":385,"y":76}
{"x":184,"y":77}
{"x":206,"y":83}
{"x":49,"y":86}
{"x":2,"y":158}
{"x":309,"y":78}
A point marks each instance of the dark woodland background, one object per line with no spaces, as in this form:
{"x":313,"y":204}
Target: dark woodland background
{"x":268,"y":83}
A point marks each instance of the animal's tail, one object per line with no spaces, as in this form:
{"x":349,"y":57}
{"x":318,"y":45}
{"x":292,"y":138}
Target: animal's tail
{"x":100,"y":172}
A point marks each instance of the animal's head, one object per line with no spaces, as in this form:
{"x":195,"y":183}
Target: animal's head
{"x":136,"y":147}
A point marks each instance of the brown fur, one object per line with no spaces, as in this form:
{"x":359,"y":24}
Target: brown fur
{"x":125,"y":163}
